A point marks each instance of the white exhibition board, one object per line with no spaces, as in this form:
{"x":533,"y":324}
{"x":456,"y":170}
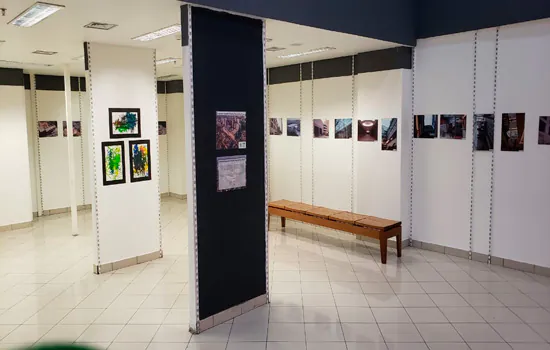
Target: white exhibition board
{"x":176,"y":143}
{"x":163,"y":146}
{"x":126,"y":217}
{"x":15,"y":183}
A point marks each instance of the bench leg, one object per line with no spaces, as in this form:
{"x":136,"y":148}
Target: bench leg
{"x":383,"y":249}
{"x":399,"y":242}
{"x":283,"y":222}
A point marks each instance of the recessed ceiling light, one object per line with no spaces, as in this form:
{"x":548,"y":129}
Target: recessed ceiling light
{"x":25,"y":63}
{"x":310,"y":52}
{"x":100,"y":26}
{"x":34,"y":14}
{"x":274,"y":48}
{"x":167,"y":60}
{"x":42,"y":52}
{"x":296,"y":44}
{"x":176,"y":28}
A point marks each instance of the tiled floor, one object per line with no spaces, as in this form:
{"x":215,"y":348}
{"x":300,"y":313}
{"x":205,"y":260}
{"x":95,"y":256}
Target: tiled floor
{"x":328,"y":292}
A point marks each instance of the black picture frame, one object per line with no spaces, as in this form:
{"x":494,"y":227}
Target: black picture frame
{"x":131,"y":147}
{"x":124,"y":110}
{"x":123,"y":161}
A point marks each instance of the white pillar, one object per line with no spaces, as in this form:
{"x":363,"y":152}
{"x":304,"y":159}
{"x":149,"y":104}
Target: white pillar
{"x":70,"y":148}
{"x":36,"y":142}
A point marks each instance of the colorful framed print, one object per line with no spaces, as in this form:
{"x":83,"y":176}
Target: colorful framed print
{"x":140,"y":160}
{"x":113,"y":163}
{"x":47,"y":129}
{"x":230,"y":130}
{"x":124,"y":122}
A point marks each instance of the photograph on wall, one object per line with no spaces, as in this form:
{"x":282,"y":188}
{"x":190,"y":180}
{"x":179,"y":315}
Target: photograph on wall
{"x":320,"y":128}
{"x":140,"y":160}
{"x":162,"y":128}
{"x":367,"y":130}
{"x":77,"y":130}
{"x":513,"y":126}
{"x":425,"y":126}
{"x":124,"y":122}
{"x":343,"y":128}
{"x":389,"y":134}
{"x":293,"y":127}
{"x":113,"y":163}
{"x":47,"y":129}
{"x":275,"y":126}
{"x":544,"y":131}
{"x":231,"y":173}
{"x":453,"y":126}
{"x":484,"y":132}
{"x":230,"y":130}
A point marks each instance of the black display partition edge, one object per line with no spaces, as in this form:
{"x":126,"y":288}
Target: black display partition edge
{"x":11,"y":77}
{"x":231,"y":226}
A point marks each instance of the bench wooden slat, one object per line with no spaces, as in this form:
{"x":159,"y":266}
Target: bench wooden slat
{"x":322,"y":212}
{"x":378,"y":223}
{"x":347,"y":217}
{"x":280,"y":203}
{"x":299,"y":207}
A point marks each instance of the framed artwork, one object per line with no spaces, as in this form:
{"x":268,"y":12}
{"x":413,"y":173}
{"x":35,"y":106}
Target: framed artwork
{"x":367,"y":130}
{"x":231,"y":173}
{"x":425,"y":126}
{"x":47,"y":129}
{"x":343,"y":128}
{"x":124,"y":122}
{"x":293,"y":127}
{"x":513,"y":126}
{"x":113,"y":163}
{"x":77,"y":130}
{"x":162,"y":128}
{"x":230,"y":130}
{"x":389,"y":134}
{"x":275,"y":126}
{"x":320,"y":128}
{"x":452,"y":126}
{"x":484,"y":132}
{"x":140,"y":160}
{"x":544,"y":131}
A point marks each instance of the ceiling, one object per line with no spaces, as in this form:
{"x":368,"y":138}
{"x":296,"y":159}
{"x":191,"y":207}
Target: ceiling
{"x":64,"y":33}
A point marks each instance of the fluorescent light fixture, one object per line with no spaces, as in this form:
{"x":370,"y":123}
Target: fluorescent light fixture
{"x":176,"y":28}
{"x":167,"y":60}
{"x":274,"y":48}
{"x":25,"y":63}
{"x":165,"y":77}
{"x":42,"y":52}
{"x":310,"y":52}
{"x":100,"y":25}
{"x":35,"y":14}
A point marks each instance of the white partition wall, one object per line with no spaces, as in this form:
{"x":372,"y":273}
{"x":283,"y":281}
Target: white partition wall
{"x":163,"y":147}
{"x":126,"y":216}
{"x":176,"y":144}
{"x":15,"y":183}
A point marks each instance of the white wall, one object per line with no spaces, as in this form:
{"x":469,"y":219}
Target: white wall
{"x":176,"y":143}
{"x":15,"y":183}
{"x":128,"y":212}
{"x":31,"y":137}
{"x":163,"y":146}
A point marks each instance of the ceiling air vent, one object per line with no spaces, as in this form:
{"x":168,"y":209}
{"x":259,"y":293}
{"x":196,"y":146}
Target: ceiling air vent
{"x":274,"y":48}
{"x":47,"y":53}
{"x":100,"y":26}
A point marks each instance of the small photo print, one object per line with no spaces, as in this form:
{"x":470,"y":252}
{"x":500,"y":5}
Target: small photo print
{"x":425,"y":126}
{"x":162,"y":128}
{"x":230,"y":130}
{"x":343,"y":128}
{"x":389,"y":134}
{"x":453,"y":126}
{"x":293,"y":127}
{"x":124,"y":122}
{"x":320,"y":128}
{"x":484,"y":132}
{"x":77,"y":131}
{"x":367,"y":130}
{"x":275,"y":126}
{"x":140,"y":160}
{"x":47,"y":129}
{"x":544,"y":131}
{"x":231,"y":173}
{"x":113,"y":163}
{"x":513,"y":126}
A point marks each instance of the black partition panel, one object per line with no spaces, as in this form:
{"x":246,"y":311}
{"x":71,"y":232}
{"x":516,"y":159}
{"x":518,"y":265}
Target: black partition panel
{"x":228,"y":75}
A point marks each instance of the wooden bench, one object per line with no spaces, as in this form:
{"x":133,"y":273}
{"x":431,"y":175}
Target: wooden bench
{"x":358,"y":224}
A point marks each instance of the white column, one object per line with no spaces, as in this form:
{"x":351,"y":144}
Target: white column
{"x":70,"y":148}
{"x":36,"y":150}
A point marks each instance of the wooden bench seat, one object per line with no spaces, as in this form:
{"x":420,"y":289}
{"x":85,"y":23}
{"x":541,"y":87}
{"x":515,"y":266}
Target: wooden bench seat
{"x":358,"y":224}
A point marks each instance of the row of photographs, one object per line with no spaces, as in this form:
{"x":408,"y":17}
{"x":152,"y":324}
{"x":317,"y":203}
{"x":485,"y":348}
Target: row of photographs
{"x":453,"y":126}
{"x":367,"y":130}
{"x":49,"y":128}
{"x":113,"y":156}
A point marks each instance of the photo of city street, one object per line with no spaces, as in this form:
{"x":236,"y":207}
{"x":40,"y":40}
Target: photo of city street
{"x":343,"y":128}
{"x":320,"y":128}
{"x":275,"y":126}
{"x":367,"y":130}
{"x":484,"y":132}
{"x":389,"y":134}
{"x":293,"y":127}
{"x":425,"y":126}
{"x":230,"y":130}
{"x":453,"y":126}
{"x":513,"y":126}
{"x":47,"y":129}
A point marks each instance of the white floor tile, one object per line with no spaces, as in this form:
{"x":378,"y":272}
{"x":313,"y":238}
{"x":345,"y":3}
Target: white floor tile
{"x":64,"y":333}
{"x":383,"y":300}
{"x":448,"y":300}
{"x":477,"y":333}
{"x":362,"y":332}
{"x":357,"y":300}
{"x":115,"y":316}
{"x":321,"y":314}
{"x":448,"y":346}
{"x":497,"y":314}
{"x":149,"y":316}
{"x":441,"y":332}
{"x":400,"y":333}
{"x":26,"y":334}
{"x":532,"y":315}
{"x":233,"y":346}
{"x":376,"y":288}
{"x":286,"y":314}
{"x":172,"y":334}
{"x":355,"y":315}
{"x":81,"y":316}
{"x":282,"y":332}
{"x":426,"y":315}
{"x":136,"y":333}
{"x":517,"y":333}
{"x":128,"y":346}
{"x":216,"y":334}
{"x":320,"y":332}
{"x":415,"y":300}
{"x":462,"y":315}
{"x":286,"y":346}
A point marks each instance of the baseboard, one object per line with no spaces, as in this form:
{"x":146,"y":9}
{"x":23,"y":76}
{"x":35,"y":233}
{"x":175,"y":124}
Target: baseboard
{"x":178,"y":196}
{"x":229,"y":314}
{"x":495,"y":260}
{"x":14,"y":227}
{"x":117,"y":265}
{"x":62,"y":210}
